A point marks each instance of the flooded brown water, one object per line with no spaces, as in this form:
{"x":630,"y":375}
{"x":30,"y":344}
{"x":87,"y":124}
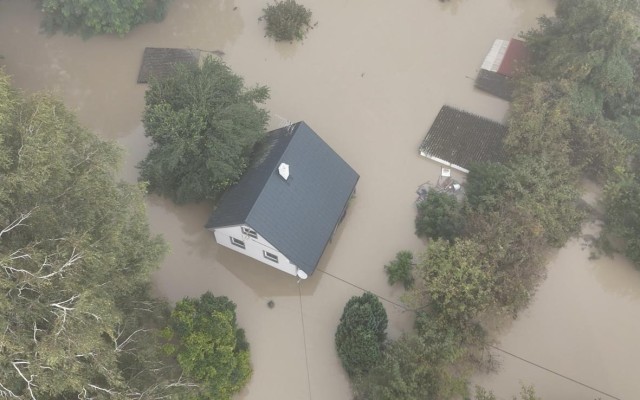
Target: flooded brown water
{"x":583,"y":324}
{"x":369,"y":79}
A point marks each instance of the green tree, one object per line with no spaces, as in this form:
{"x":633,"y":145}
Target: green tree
{"x":589,"y":42}
{"x":513,"y":242}
{"x":361,"y":334}
{"x":526,"y":393}
{"x":455,"y":281}
{"x":91,"y":17}
{"x":209,"y":346}
{"x":547,"y":189}
{"x":412,"y":369}
{"x":203,"y":124}
{"x":76,"y":255}
{"x":400,"y":269}
{"x":439,"y":217}
{"x":564,"y":120}
{"x":286,"y":20}
{"x":621,"y":200}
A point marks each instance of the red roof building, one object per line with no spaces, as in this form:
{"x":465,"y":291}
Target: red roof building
{"x":500,"y":64}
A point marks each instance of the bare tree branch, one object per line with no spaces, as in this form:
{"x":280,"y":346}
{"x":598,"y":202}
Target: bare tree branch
{"x":16,"y":223}
{"x":29,"y":381}
{"x":4,"y":392}
{"x":72,"y":259}
{"x":111,"y":392}
{"x":119,"y":347}
{"x":62,"y":306}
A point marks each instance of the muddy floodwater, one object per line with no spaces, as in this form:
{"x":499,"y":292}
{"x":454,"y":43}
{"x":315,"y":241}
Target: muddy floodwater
{"x":583,"y":324}
{"x":370,"y":78}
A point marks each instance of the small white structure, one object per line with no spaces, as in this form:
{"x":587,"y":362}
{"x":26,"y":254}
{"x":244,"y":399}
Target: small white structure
{"x":285,"y":219}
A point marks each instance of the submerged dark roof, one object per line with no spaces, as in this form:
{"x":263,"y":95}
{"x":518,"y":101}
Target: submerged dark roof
{"x":463,"y":138}
{"x":494,"y":83}
{"x":160,"y":62}
{"x":297,"y":216}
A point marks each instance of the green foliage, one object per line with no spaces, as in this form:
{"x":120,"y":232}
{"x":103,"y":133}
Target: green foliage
{"x":361,"y":334}
{"x":589,"y":42}
{"x":91,"y":17}
{"x":564,"y":121}
{"x":209,"y":346}
{"x":203,"y":124}
{"x":547,"y":189}
{"x":526,"y":393}
{"x":76,"y":255}
{"x":412,"y":369}
{"x":514,"y":245}
{"x":286,"y":20}
{"x":621,"y":202}
{"x":455,"y":281}
{"x":439,"y":217}
{"x":400,"y":269}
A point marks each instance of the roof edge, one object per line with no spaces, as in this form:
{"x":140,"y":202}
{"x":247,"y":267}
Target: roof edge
{"x":335,"y":227}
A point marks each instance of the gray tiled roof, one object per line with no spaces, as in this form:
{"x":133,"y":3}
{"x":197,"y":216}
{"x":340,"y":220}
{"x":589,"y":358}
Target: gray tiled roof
{"x":463,"y":138}
{"x":160,"y":62}
{"x":495,"y":84}
{"x":297,"y":216}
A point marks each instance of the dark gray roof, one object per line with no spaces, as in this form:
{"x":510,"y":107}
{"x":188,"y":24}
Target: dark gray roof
{"x":297,"y":216}
{"x":159,"y":62}
{"x":494,"y":83}
{"x":463,"y":138}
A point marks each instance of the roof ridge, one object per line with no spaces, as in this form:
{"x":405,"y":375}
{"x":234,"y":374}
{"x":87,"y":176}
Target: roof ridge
{"x":297,"y":124}
{"x":472,"y":114}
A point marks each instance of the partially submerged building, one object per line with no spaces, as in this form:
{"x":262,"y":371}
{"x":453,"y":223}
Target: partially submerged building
{"x":159,"y":62}
{"x":458,"y":139}
{"x":287,"y":206}
{"x":500,"y":65}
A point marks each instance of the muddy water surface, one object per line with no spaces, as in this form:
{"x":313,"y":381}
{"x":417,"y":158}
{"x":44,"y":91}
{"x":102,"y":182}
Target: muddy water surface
{"x":583,"y":323}
{"x":369,"y":79}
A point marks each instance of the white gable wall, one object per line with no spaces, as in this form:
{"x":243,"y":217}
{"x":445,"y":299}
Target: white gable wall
{"x":253,"y":247}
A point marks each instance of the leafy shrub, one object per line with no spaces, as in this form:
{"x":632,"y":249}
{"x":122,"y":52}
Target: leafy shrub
{"x":91,"y":17}
{"x":412,"y":368}
{"x":286,"y":20}
{"x":209,"y":346}
{"x":361,"y":334}
{"x":439,"y":217}
{"x":399,"y":270}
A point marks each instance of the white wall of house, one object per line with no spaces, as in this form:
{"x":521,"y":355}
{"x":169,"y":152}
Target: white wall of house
{"x":254,"y":247}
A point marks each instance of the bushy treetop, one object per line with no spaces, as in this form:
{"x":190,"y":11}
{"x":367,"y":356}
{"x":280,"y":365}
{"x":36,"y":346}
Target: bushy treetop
{"x":203,"y":124}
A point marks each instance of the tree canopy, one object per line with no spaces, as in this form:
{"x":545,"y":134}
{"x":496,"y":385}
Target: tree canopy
{"x":76,"y":255}
{"x":400,"y":269}
{"x":286,"y":20}
{"x":203,"y":124}
{"x":439,"y":216}
{"x":622,"y":209}
{"x":209,"y":346}
{"x":91,"y":17}
{"x":413,"y":368}
{"x":361,"y":334}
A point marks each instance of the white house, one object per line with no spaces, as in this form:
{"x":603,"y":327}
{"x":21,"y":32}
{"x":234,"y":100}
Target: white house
{"x":285,"y":209}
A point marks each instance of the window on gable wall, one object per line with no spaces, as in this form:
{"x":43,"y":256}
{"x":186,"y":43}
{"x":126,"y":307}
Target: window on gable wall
{"x":237,"y":242}
{"x":249,"y":232}
{"x":270,"y":256}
